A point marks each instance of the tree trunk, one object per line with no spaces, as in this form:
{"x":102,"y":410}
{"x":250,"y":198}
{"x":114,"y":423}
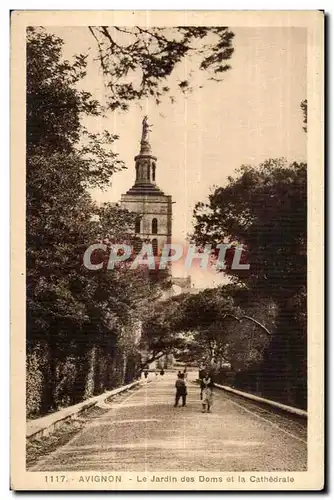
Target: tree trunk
{"x":49,"y":376}
{"x":89,"y":389}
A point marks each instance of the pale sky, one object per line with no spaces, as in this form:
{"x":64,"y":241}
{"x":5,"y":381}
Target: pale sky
{"x":201,"y":139}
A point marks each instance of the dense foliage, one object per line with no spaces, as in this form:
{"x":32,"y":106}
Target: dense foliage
{"x":74,"y":316}
{"x":256,"y":325}
{"x":265,"y":209}
{"x":214,"y":327}
{"x":83,"y":327}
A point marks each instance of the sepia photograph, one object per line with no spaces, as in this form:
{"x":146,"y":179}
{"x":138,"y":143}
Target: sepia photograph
{"x":167,"y":220}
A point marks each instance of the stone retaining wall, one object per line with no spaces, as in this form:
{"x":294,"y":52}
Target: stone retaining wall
{"x":45,"y":425}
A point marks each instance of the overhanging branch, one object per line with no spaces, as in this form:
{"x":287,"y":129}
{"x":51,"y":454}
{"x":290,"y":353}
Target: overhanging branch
{"x":250,"y":319}
{"x":258,"y":323}
{"x":155,"y":357}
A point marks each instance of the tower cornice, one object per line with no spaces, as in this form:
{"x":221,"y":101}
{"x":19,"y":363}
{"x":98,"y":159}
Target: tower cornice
{"x":146,"y":155}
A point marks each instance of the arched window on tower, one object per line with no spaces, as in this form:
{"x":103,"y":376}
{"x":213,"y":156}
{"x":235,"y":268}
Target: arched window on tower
{"x":155,"y":226}
{"x":155,"y":247}
{"x":137,"y":225}
{"x":153,"y":171}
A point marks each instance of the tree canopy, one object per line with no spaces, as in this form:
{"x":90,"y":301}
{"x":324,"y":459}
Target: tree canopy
{"x":72,"y":312}
{"x":69,"y":308}
{"x":264,"y":208}
{"x":213,"y":326}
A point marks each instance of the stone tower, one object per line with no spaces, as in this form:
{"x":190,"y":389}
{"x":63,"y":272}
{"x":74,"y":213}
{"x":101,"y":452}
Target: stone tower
{"x":154,"y":208}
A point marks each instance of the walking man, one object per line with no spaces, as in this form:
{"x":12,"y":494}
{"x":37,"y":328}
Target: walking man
{"x":181,"y":390}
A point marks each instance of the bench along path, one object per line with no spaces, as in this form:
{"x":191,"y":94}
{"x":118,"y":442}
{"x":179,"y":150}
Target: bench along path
{"x":146,"y":433}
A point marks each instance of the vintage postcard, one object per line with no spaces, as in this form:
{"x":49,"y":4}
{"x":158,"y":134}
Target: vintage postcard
{"x":167,"y":250}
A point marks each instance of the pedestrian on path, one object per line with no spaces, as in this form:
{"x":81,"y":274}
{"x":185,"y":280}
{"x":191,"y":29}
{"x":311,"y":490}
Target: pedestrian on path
{"x":181,"y":390}
{"x":206,"y":393}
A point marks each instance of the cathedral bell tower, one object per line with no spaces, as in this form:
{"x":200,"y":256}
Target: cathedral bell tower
{"x":154,"y":208}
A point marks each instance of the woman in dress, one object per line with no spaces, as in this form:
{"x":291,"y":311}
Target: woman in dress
{"x":207,"y":393}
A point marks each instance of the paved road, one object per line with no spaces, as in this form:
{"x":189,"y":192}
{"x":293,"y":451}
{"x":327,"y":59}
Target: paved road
{"x":144,"y":432}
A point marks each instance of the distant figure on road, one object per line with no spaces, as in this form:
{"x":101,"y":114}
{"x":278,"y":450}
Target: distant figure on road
{"x":185,"y":373}
{"x":146,"y":373}
{"x":206,"y":393}
{"x":181,"y":390}
{"x":162,"y":372}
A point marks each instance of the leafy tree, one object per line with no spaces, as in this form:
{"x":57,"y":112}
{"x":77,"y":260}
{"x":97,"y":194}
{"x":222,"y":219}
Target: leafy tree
{"x":54,"y":103}
{"x":248,"y":338}
{"x":265,"y":209}
{"x":75,"y":316}
{"x":221,"y":324}
{"x":69,"y":309}
{"x":182,"y":324}
{"x":205,"y":327}
{"x":160,"y":329}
